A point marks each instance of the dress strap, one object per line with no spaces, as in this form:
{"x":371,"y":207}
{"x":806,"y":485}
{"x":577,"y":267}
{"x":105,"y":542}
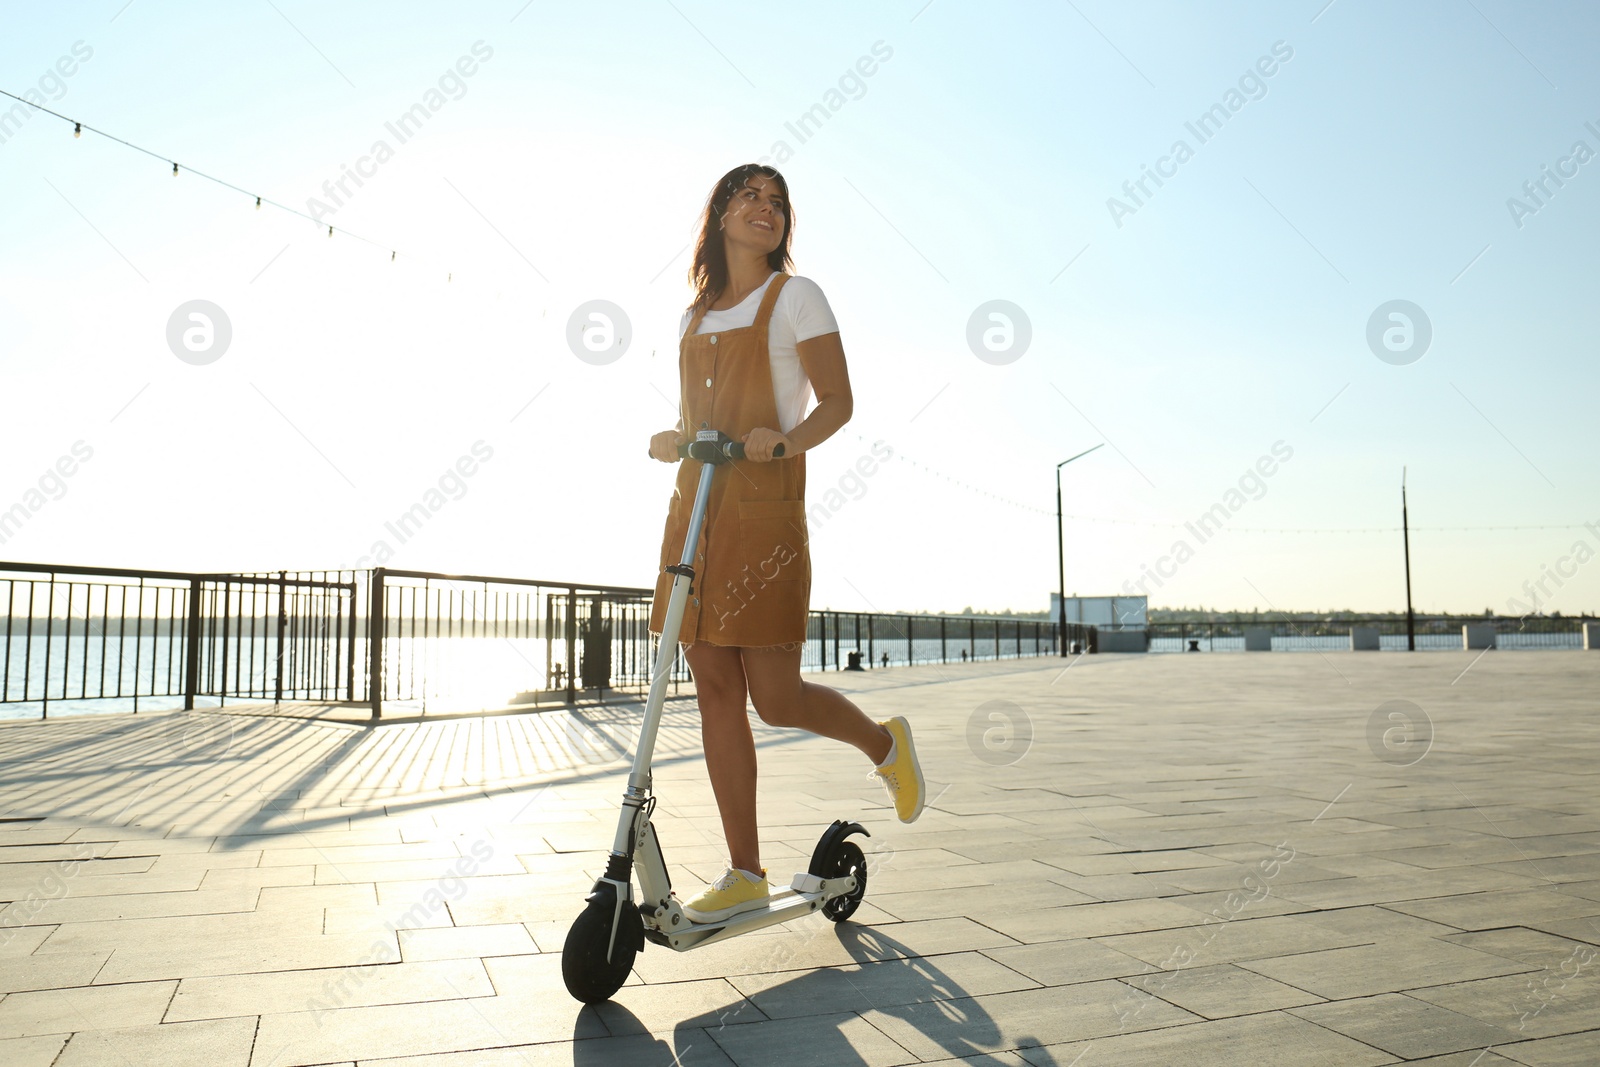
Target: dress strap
{"x":763,"y":314}
{"x":768,"y":302}
{"x":694,"y":323}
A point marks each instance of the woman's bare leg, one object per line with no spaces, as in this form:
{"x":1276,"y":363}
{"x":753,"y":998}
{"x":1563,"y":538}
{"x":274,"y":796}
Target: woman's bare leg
{"x":730,"y":749}
{"x":782,"y":699}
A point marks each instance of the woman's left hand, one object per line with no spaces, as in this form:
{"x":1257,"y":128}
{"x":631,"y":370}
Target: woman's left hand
{"x":759,"y":443}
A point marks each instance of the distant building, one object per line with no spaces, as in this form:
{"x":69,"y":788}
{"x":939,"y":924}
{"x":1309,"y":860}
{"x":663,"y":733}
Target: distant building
{"x":1106,"y":612}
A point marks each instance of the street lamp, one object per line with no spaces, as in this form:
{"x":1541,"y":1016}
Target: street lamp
{"x":1061,"y":564}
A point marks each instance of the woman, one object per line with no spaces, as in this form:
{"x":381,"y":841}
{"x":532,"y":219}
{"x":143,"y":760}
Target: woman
{"x":754,"y":344}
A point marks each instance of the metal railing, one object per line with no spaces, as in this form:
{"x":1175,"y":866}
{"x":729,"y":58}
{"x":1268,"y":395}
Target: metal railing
{"x":161,"y":638}
{"x":450,"y":638}
{"x":157,"y":640}
{"x":902,"y":640}
{"x":1433,"y":632}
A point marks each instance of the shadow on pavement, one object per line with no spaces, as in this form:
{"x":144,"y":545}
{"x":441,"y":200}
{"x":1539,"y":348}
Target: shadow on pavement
{"x":896,"y":990}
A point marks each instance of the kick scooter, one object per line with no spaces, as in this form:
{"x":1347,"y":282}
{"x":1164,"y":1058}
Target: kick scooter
{"x":612,"y":929}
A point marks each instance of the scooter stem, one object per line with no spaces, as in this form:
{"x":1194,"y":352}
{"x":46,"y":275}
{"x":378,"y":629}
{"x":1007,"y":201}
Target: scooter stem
{"x":667,"y":651}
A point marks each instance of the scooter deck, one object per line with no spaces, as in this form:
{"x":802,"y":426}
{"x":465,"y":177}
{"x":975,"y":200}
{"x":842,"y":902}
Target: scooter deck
{"x":781,"y":906}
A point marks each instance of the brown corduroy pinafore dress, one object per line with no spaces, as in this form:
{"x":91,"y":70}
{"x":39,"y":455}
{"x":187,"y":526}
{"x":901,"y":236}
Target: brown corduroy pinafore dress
{"x":752,"y":584}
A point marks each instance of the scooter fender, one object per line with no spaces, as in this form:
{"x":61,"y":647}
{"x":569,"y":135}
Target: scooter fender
{"x":613,"y":896}
{"x":830,"y":838}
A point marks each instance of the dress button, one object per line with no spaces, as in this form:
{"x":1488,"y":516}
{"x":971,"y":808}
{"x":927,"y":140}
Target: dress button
{"x":696,"y":601}
{"x":708,"y":383}
{"x":713,"y":338}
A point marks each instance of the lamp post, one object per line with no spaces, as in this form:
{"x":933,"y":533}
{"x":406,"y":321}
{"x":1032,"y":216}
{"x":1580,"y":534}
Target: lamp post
{"x":1061,"y":553}
{"x":1405,"y":526}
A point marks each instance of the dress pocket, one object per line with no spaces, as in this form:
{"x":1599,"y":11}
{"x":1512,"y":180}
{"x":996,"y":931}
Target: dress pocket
{"x":772,"y":540}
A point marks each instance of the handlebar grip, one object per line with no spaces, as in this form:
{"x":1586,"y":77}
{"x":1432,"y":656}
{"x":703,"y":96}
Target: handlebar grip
{"x":733,"y":450}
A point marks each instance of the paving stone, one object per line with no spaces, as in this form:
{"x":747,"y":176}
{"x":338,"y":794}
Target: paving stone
{"x":1402,"y":1025}
{"x":22,"y":940}
{"x":1220,"y":991}
{"x":1422,"y":886}
{"x":712,"y":1004}
{"x":161,"y":934}
{"x":1533,"y":947}
{"x":372,"y":917}
{"x":1094,"y":920}
{"x":1394,"y":965}
{"x":1370,"y":925}
{"x":458,"y":942}
{"x":214,"y":1043}
{"x":279,"y":992}
{"x":979,"y":902}
{"x":388,"y":1031}
{"x":1002,"y":1021}
{"x":1483,"y":911}
{"x":114,"y":883}
{"x":244,"y":956}
{"x":1573,"y":1050}
{"x":134,"y":906}
{"x":687,"y":1047}
{"x":31,"y":1051}
{"x":817,"y":1041}
{"x":1270,"y":1038}
{"x":1068,"y":962}
{"x":66,"y":1011}
{"x":56,"y":970}
{"x":884,"y":984}
{"x":1584,"y":929}
{"x":1541,"y":1003}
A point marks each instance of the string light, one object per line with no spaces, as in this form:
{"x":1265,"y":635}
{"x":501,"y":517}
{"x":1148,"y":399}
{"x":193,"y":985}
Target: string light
{"x":1225,"y":529}
{"x":77,"y":131}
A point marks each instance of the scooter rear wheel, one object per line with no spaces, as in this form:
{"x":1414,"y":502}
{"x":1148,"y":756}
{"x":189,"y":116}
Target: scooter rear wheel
{"x":847,"y":858}
{"x":589,"y":976}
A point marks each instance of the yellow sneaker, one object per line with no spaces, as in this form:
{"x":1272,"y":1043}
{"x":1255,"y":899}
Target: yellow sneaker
{"x":731,"y":894}
{"x":902,"y":774}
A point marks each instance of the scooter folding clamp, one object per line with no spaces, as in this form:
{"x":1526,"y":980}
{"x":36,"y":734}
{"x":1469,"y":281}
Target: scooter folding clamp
{"x":806,"y":882}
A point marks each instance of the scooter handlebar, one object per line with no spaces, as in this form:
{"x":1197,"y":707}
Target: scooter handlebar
{"x":728,"y":449}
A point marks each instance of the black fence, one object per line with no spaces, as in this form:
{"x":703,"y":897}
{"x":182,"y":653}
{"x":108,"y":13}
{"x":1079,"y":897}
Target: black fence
{"x":76,"y":638}
{"x":885,"y":640}
{"x":1433,"y":632}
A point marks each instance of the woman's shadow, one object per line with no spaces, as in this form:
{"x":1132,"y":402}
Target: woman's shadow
{"x":896,"y":990}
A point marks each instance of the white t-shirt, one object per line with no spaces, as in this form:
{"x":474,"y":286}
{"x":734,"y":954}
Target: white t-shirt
{"x":800,"y":313}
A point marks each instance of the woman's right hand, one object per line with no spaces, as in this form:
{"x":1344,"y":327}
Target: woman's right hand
{"x":664,"y":445}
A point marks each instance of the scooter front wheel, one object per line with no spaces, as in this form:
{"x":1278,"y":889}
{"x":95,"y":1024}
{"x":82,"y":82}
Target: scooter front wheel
{"x":589,"y":975}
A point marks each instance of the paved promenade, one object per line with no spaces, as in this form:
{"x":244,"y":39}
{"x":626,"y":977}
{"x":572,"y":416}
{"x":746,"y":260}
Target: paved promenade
{"x":1228,"y":860}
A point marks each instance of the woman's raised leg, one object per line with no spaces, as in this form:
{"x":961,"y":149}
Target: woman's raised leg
{"x":782,"y":698}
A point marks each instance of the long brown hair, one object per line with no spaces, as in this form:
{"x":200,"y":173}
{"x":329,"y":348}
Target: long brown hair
{"x":708,"y":274}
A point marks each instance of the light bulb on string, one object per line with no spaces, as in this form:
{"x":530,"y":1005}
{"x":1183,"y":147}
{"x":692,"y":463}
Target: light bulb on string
{"x":330,"y":231}
{"x":258,"y":203}
{"x":174,"y":170}
{"x":77,"y":129}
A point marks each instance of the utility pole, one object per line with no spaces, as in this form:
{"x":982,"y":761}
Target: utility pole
{"x":1405,"y":529}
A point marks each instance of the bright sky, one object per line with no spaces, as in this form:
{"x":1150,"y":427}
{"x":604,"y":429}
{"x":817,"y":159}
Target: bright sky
{"x":1359,"y":153}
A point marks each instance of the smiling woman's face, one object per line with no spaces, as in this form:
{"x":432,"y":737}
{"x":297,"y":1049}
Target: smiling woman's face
{"x":757,"y":215}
